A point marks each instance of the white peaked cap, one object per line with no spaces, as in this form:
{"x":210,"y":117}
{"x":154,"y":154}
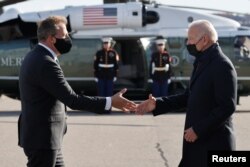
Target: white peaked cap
{"x":160,"y":41}
{"x":106,"y":39}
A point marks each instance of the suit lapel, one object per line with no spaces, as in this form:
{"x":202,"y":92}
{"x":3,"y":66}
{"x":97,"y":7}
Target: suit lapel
{"x":203,"y":62}
{"x":44,"y":51}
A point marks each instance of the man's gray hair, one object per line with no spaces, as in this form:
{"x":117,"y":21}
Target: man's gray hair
{"x":206,"y":27}
{"x":49,"y":27}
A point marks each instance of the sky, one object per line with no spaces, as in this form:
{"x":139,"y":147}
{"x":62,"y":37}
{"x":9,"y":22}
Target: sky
{"x":240,"y":6}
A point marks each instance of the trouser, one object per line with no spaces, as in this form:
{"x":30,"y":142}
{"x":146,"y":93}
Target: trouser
{"x":160,"y":88}
{"x":44,"y":158}
{"x":105,"y":87}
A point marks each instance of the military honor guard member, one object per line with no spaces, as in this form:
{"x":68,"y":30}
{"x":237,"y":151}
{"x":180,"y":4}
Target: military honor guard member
{"x":105,"y":68}
{"x":160,"y":69}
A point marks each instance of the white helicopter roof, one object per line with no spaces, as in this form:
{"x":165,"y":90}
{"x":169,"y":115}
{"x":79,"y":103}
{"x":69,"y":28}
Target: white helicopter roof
{"x":173,"y":22}
{"x":31,"y":16}
{"x":9,"y":15}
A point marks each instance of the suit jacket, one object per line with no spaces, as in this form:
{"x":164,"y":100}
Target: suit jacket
{"x":210,"y":102}
{"x":43,"y":90}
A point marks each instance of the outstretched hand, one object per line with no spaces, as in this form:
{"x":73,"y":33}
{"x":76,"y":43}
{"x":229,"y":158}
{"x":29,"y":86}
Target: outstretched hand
{"x":118,"y":101}
{"x":146,"y":106}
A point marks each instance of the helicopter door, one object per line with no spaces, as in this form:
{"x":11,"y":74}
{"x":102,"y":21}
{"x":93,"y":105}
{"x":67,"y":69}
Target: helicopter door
{"x":132,"y":67}
{"x":242,"y":63}
{"x":242,"y":48}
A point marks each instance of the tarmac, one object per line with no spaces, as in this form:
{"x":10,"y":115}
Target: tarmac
{"x":115,"y":140}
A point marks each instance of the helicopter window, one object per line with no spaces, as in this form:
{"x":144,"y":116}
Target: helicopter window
{"x":135,"y":13}
{"x":226,"y":44}
{"x":242,"y":48}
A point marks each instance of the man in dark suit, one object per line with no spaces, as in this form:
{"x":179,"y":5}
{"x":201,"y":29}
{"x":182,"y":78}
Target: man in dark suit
{"x":210,"y":99}
{"x":44,"y":91}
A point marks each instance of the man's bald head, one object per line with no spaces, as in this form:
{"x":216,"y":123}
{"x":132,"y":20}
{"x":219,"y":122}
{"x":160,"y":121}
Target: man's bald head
{"x":204,"y":27}
{"x":202,"y":35}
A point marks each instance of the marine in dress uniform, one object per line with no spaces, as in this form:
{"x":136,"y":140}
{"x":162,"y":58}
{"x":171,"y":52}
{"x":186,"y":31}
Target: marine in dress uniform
{"x":160,"y":69}
{"x":105,"y":68}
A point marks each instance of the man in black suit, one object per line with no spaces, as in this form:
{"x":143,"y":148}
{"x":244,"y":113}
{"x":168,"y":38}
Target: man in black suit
{"x":210,"y":99}
{"x":44,"y":91}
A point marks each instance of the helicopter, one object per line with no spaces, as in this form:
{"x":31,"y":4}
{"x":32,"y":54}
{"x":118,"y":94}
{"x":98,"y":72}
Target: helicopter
{"x":133,"y":27}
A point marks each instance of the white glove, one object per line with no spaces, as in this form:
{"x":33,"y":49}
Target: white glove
{"x":153,"y":68}
{"x":169,"y":81}
{"x":96,"y":79}
{"x":166,"y":67}
{"x":114,"y":79}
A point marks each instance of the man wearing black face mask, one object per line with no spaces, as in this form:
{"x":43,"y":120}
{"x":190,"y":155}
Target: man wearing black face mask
{"x":193,"y":50}
{"x":44,"y":90}
{"x":209,"y":101}
{"x":63,"y":45}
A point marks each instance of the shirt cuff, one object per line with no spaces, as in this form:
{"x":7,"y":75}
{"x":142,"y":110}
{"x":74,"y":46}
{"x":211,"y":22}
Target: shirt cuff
{"x":108,"y":103}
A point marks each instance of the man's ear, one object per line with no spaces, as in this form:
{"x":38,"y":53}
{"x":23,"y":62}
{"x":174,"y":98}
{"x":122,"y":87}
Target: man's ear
{"x":206,"y":39}
{"x":51,"y":39}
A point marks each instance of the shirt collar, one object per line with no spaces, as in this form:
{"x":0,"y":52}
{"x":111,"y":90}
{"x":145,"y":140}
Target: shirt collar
{"x":51,"y":51}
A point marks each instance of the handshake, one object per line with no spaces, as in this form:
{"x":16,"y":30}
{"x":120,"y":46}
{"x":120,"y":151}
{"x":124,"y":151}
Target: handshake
{"x":118,"y":101}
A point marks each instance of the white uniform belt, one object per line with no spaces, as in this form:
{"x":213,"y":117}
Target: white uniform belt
{"x":160,"y":68}
{"x":106,"y":65}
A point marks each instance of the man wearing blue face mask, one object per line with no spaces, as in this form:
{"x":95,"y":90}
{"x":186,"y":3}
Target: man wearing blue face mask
{"x":44,"y":91}
{"x":209,"y":101}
